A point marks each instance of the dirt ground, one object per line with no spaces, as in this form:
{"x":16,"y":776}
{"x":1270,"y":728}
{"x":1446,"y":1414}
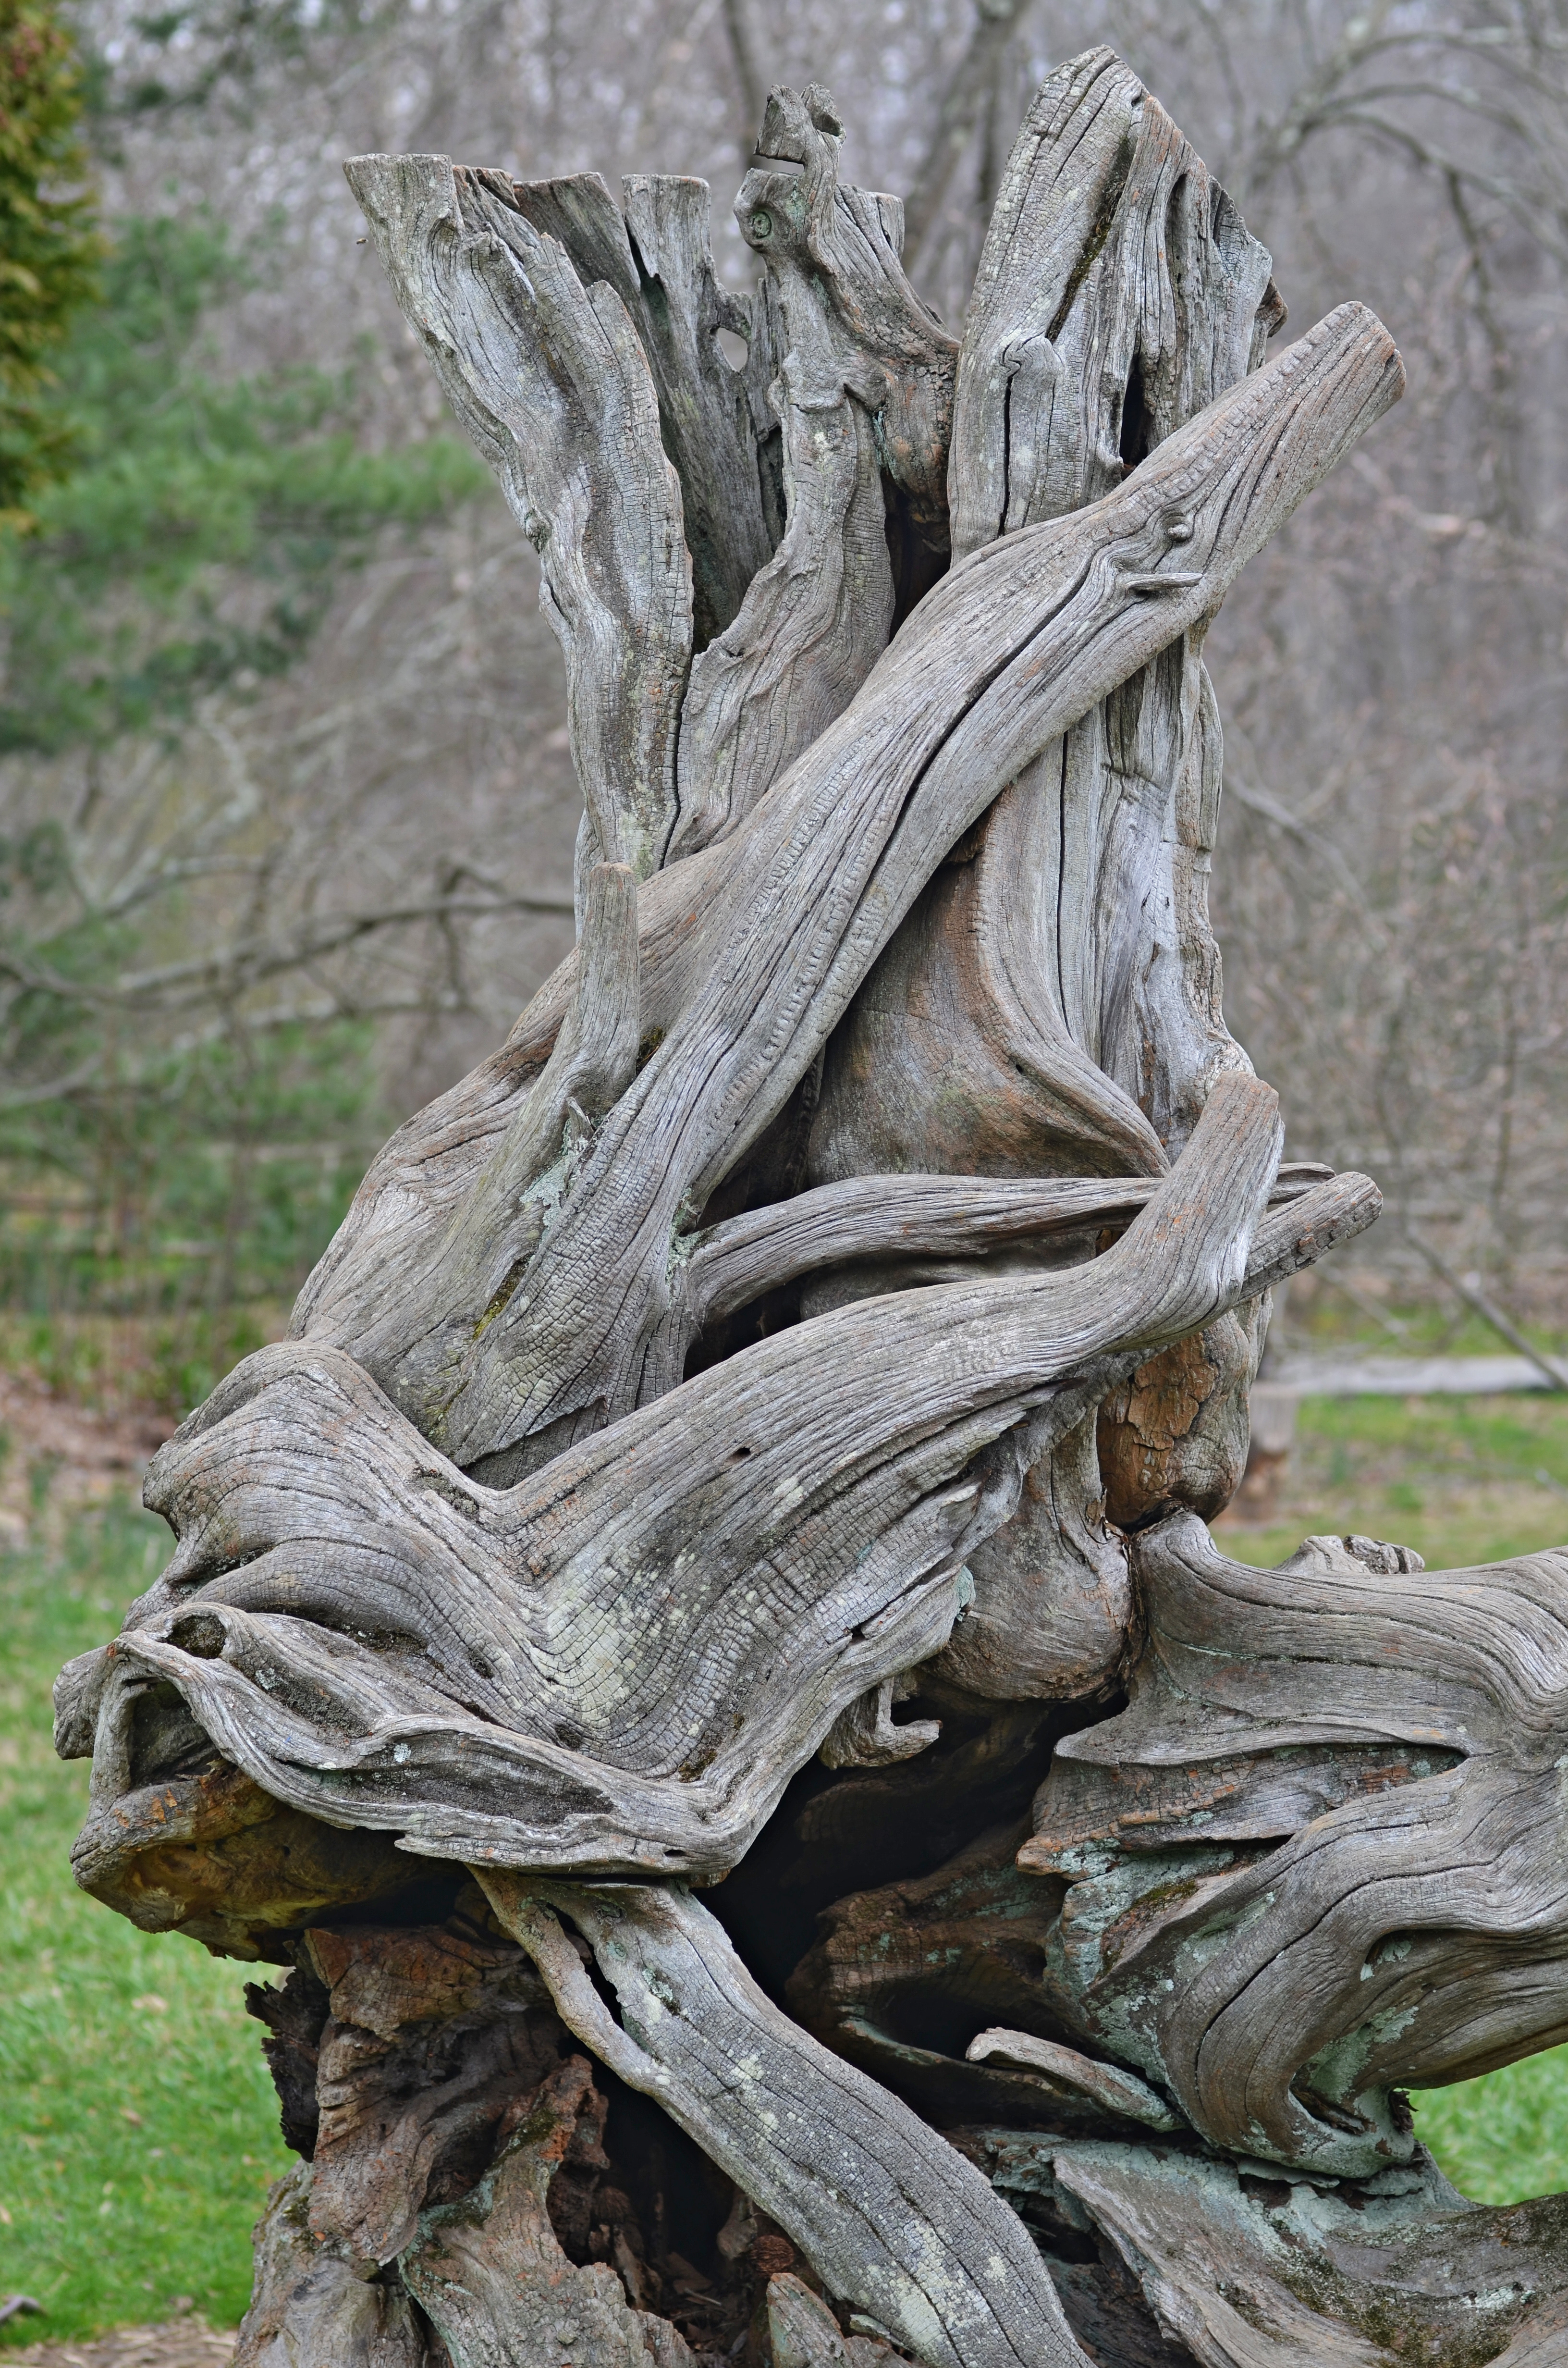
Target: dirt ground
{"x":178,"y":2343}
{"x":56,"y":1456}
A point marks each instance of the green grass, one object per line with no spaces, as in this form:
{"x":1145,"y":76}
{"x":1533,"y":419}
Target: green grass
{"x":137,"y":2126}
{"x":1463,"y":1480}
{"x":1506,"y":2136}
{"x":138,"y":2129}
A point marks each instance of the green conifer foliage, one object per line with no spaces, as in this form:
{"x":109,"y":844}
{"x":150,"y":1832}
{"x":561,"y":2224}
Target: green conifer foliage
{"x":49,"y":243}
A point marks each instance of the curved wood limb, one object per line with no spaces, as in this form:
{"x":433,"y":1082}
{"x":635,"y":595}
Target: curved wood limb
{"x":886,"y":2212}
{"x":800,"y":900}
{"x":549,"y":380}
{"x":563,"y":1681}
{"x":1350,"y":1771}
{"x":911,"y":1216}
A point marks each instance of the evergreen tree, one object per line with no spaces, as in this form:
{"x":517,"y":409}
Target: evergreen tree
{"x":48,"y":243}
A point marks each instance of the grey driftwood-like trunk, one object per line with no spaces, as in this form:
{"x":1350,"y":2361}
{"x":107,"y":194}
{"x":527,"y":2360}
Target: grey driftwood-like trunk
{"x":701,"y":1655}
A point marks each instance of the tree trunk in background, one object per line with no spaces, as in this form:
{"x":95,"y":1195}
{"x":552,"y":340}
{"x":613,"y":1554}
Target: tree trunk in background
{"x":755,"y":1436}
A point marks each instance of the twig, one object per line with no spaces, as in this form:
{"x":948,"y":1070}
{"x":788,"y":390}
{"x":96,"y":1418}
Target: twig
{"x":1391,"y":1324}
{"x":970,"y":90}
{"x":749,"y":76}
{"x":244,"y":964}
{"x":1488,"y":1312}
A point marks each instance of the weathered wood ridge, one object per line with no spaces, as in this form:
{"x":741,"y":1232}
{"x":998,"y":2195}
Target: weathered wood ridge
{"x":757,"y":1432}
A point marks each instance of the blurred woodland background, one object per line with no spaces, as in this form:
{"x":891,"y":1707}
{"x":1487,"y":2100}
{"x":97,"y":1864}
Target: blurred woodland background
{"x":286,"y":807}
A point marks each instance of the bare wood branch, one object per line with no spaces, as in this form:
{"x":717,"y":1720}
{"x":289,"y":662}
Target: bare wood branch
{"x":553,"y":387}
{"x":887,"y":2214}
{"x":913,"y":1216}
{"x":1488,"y":1311}
{"x":969,"y":91}
{"x":986,"y":696}
{"x":750,"y":79}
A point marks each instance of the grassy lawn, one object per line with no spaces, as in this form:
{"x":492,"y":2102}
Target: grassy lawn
{"x":1463,"y":1480}
{"x":138,"y":2129}
{"x":137,"y":2126}
{"x":1506,"y":2136}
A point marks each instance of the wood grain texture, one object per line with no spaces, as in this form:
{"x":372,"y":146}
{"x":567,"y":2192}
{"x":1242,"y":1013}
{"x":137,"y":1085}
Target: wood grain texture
{"x":889,"y":2216}
{"x":783,"y":641}
{"x":489,"y":2270}
{"x":309,"y":2302}
{"x":1104,"y":2088}
{"x":1175,"y":1433}
{"x":930,"y":1218}
{"x":469,"y":2171}
{"x":453,"y":1403}
{"x":1119,"y":295}
{"x":1253,"y":2274}
{"x":431,"y":2039}
{"x":751,"y":965}
{"x":553,"y":387}
{"x":1318,"y":1858}
{"x":1053,"y":999}
{"x":553,"y":1675}
{"x":1116,"y":273}
{"x":832,"y":252}
{"x":363,"y":1289}
{"x":652,"y":250}
{"x":1054,"y":1604}
{"x":948,"y":1953}
{"x":802,"y":899}
{"x":803,"y":2332}
{"x":469,"y":1267}
{"x":816,"y":618}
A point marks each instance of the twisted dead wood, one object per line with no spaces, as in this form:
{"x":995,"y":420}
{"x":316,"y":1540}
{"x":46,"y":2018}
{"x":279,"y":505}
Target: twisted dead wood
{"x":1247,"y":2274}
{"x":652,"y":251}
{"x":553,"y":1675}
{"x":886,"y":2213}
{"x":800,"y":900}
{"x":1344,"y":1785}
{"x":1052,"y":1000}
{"x":871,"y":1225}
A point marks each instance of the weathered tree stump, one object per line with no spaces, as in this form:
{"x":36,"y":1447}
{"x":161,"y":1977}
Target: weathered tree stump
{"x":754,"y":1435}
